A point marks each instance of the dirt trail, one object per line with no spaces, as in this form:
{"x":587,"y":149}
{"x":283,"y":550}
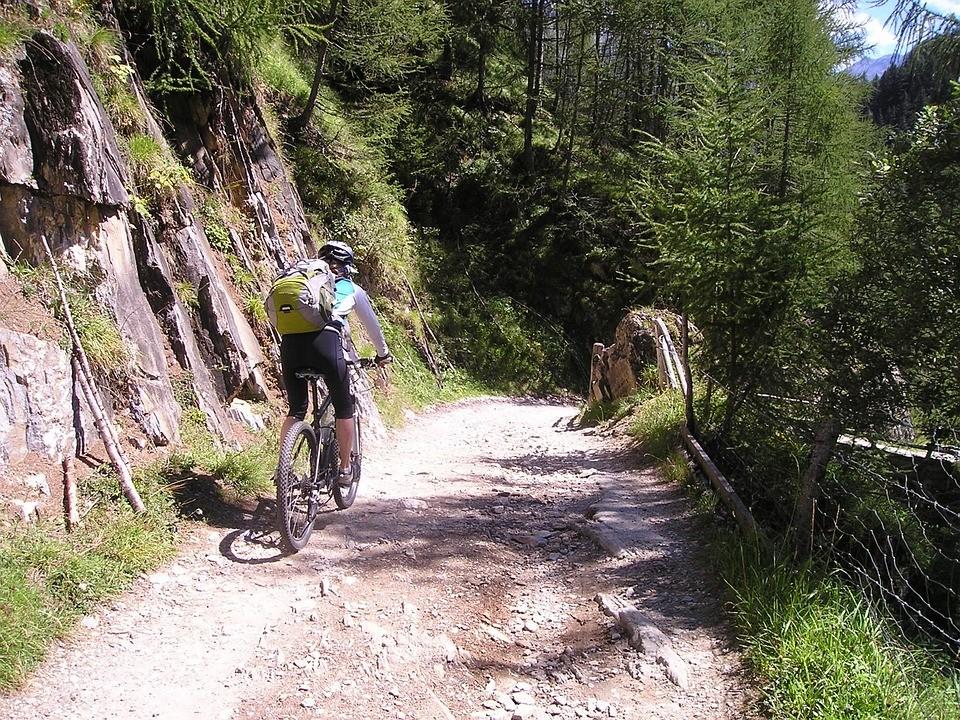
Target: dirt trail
{"x":454,"y":588}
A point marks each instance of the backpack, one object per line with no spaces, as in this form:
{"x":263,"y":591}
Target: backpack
{"x":301,"y":298}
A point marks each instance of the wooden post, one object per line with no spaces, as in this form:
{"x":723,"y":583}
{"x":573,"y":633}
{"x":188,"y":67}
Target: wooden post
{"x":70,"y":512}
{"x":88,"y":386}
{"x":823,"y":444}
{"x":596,"y":370}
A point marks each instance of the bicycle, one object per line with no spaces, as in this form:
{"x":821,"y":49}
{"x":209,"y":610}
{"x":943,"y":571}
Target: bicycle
{"x":309,"y":465}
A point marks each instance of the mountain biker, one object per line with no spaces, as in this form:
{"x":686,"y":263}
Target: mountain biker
{"x":323,"y":351}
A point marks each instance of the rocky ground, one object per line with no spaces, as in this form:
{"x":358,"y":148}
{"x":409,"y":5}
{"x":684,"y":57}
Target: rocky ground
{"x":469,"y":580}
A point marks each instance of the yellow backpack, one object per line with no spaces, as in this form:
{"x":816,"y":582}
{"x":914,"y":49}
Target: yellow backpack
{"x":301,"y":298}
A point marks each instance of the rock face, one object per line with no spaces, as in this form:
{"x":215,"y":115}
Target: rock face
{"x":74,"y":146}
{"x":36,"y":387}
{"x":64,"y":176}
{"x":77,"y":199}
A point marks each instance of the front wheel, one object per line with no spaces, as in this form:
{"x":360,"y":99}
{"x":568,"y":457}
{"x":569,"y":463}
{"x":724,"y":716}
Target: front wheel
{"x":344,"y":496}
{"x":297,"y":501}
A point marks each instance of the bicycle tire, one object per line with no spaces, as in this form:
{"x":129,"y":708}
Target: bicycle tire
{"x":296,"y":486}
{"x":344,"y":496}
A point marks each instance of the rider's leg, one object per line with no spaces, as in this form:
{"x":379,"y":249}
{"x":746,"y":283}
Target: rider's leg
{"x":345,"y":441}
{"x":294,"y":352}
{"x":288,"y":422}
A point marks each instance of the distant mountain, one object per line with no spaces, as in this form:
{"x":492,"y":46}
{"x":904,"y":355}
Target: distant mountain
{"x":870,"y":67}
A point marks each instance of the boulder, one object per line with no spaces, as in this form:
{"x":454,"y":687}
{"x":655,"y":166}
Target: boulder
{"x":242,"y":412}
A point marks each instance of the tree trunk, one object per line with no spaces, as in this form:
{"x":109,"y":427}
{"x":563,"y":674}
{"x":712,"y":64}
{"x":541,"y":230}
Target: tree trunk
{"x":534,"y":38}
{"x":446,"y":60}
{"x":574,"y":113}
{"x":109,"y":437}
{"x":303,"y":119}
{"x":480,"y":94}
{"x":804,"y":512}
{"x":708,"y":403}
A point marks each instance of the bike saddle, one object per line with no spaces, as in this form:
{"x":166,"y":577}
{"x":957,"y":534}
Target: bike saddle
{"x":309,"y":375}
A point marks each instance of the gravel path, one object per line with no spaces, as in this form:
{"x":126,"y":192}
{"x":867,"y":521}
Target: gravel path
{"x":462,"y":584}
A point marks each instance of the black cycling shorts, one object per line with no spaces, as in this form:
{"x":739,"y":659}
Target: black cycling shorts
{"x":322,"y":352}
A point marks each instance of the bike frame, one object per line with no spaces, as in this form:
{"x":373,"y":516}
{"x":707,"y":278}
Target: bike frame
{"x":320,"y":408}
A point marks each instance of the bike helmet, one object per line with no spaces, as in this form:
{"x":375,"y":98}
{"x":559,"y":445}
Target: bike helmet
{"x":339,"y":252}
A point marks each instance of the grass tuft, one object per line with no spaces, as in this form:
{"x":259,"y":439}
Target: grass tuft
{"x":49,"y":579}
{"x":245,"y":473}
{"x":657,"y":424}
{"x":188,"y":294}
{"x":412,"y":385}
{"x":277,"y":69}
{"x":13,"y":31}
{"x":98,"y":331}
{"x":155,"y":169}
{"x":823,"y":651}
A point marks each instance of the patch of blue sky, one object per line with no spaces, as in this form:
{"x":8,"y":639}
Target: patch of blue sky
{"x":881,"y":37}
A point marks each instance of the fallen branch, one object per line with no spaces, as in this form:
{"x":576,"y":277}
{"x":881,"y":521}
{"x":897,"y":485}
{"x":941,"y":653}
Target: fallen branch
{"x":84,"y":375}
{"x":431,"y":359}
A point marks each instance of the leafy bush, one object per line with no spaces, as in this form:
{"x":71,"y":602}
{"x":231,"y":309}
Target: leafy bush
{"x":502,"y":344}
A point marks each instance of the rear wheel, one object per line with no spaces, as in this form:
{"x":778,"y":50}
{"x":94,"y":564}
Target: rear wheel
{"x":297,"y":501}
{"x":344,"y":496}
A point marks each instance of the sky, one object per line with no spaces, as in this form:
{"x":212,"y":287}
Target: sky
{"x":873,"y":16}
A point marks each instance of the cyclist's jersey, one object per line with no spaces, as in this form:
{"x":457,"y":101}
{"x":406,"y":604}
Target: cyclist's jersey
{"x":350,"y":297}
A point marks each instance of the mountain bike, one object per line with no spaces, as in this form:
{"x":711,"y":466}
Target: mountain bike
{"x":310,"y":463}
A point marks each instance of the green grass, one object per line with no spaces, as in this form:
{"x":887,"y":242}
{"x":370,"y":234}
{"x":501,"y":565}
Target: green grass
{"x":256,"y":310}
{"x":155,"y":169}
{"x":412,"y":384}
{"x":188,"y":294}
{"x":657,"y":424}
{"x":245,"y":473}
{"x":48,"y":579}
{"x":597,"y":413}
{"x":277,"y":69}
{"x":822,"y":651}
{"x":100,"y":336}
{"x":13,"y":31}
